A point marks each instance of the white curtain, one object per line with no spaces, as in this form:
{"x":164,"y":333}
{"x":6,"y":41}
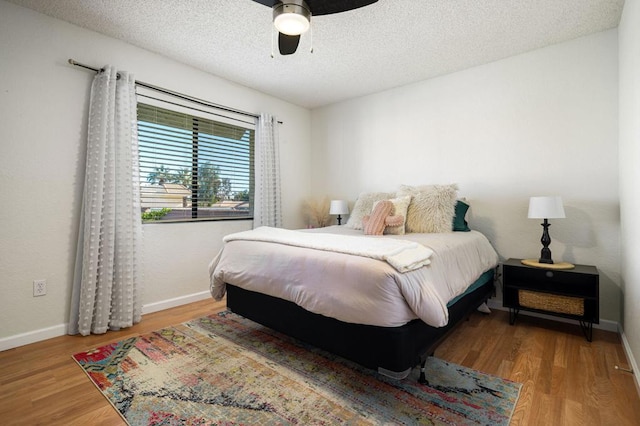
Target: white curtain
{"x":267,"y":208}
{"x":106,"y":289}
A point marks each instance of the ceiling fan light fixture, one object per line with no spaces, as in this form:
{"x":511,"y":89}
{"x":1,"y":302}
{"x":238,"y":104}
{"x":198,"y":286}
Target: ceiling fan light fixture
{"x":292,"y":18}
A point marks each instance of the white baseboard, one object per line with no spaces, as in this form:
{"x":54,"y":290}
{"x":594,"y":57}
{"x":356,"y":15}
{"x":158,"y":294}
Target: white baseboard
{"x":176,"y":301}
{"x":632,"y":361}
{"x":34,"y":336}
{"x":606,"y":325}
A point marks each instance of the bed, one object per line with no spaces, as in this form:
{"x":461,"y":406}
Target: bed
{"x":356,"y":305}
{"x":266,"y":282}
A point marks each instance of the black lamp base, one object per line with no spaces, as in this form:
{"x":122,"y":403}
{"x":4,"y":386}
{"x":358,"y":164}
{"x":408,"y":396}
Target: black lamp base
{"x":339,"y":220}
{"x":545,"y":253}
{"x":545,"y":257}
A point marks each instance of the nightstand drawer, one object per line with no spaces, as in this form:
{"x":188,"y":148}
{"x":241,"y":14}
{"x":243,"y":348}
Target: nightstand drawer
{"x":568,"y":282}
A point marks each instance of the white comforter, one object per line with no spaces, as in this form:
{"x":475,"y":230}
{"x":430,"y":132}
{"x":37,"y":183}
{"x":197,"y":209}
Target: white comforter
{"x":403,"y":255}
{"x":354,"y":288}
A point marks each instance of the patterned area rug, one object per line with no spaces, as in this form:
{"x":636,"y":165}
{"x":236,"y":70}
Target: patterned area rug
{"x":227,"y":370}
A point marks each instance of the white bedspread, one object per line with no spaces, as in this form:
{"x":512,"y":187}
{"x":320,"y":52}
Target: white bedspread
{"x":401,"y":254}
{"x":353,"y":288}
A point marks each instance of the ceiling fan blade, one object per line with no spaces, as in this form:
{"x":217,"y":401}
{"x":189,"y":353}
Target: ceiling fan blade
{"x":288,"y":44}
{"x":268,"y":3}
{"x":324,"y":7}
{"x":327,"y":7}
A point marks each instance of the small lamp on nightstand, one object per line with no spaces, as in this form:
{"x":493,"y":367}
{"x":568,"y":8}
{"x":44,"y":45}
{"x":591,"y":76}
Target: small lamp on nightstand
{"x":546,"y":208}
{"x":339,"y":207}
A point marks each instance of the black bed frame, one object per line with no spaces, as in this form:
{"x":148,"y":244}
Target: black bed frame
{"x":392,"y":351}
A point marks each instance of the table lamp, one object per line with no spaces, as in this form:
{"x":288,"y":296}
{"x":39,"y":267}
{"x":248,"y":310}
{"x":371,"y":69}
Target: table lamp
{"x":339,"y":207}
{"x":546,"y":208}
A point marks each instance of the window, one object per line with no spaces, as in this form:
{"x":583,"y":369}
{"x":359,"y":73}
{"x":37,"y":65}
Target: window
{"x":194,"y":168}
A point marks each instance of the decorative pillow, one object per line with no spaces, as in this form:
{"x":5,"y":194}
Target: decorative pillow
{"x":401,"y":205}
{"x":432,"y":207}
{"x":459,"y":221}
{"x":363,"y":206}
{"x":375,"y":223}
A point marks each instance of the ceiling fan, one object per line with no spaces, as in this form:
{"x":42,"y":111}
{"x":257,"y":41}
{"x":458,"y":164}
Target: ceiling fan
{"x":293,"y":17}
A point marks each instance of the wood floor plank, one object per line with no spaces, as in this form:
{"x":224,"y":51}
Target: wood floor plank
{"x":572,"y":413}
{"x":558,"y":382}
{"x":566,"y":380}
{"x":525,"y":371}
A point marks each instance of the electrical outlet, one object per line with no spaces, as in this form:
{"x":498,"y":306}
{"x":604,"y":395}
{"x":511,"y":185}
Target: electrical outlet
{"x":39,"y":287}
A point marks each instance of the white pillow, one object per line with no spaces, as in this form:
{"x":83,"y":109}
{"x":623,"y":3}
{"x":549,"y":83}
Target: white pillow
{"x":363,"y":207}
{"x":432,"y":207}
{"x":400,"y":204}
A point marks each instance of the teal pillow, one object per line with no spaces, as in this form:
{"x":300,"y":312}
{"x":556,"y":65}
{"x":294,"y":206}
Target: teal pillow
{"x":459,"y":222}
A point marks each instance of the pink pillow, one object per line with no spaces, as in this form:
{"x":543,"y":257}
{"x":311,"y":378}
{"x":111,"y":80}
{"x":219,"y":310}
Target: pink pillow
{"x":381,"y":217}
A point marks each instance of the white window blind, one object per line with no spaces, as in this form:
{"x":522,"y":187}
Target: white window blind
{"x":194,"y":167}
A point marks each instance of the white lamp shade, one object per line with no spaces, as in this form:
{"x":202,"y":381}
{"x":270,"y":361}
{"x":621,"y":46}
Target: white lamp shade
{"x":549,"y":207}
{"x":338,"y":207}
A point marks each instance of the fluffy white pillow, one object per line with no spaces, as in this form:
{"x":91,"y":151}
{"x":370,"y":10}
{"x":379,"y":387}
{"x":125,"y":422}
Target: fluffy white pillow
{"x":432,"y":207}
{"x":363,"y":207}
{"x":400,"y":204}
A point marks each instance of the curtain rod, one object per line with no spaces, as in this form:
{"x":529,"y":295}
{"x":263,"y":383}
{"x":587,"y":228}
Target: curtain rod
{"x":170,"y":92}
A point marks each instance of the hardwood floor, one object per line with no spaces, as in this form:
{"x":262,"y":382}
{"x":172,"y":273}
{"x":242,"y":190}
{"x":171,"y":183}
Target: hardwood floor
{"x":567,"y":381}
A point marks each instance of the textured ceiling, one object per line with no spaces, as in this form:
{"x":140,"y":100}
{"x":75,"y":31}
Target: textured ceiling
{"x":388,"y":44}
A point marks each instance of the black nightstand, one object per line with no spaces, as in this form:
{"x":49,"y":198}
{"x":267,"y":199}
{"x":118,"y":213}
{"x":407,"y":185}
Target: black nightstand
{"x":568,"y":293}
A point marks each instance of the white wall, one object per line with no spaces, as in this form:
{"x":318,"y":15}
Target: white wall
{"x":43,"y":105}
{"x":629,"y":33}
{"x":541,"y":123}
